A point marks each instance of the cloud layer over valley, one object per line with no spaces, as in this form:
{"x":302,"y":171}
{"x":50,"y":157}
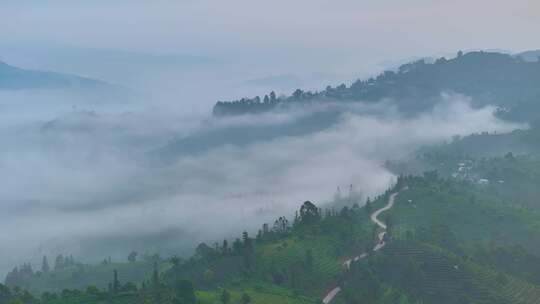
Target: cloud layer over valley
{"x":103,"y":183}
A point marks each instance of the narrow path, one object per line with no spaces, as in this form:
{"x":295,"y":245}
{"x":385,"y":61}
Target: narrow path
{"x":375,"y":218}
{"x":331,"y":295}
{"x":375,"y":215}
{"x":380,"y":243}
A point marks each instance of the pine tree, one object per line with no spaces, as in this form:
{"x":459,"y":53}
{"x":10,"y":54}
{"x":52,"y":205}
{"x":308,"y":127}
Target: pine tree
{"x":246,"y":299}
{"x":368,"y":205}
{"x":225,"y":297}
{"x":273,"y":96}
{"x":155,"y":277}
{"x":116,"y":283}
{"x":59,"y":262}
{"x":245,"y":237}
{"x":156,"y":286}
{"x":237,"y":247}
{"x":225,"y":248}
{"x":45,"y":265}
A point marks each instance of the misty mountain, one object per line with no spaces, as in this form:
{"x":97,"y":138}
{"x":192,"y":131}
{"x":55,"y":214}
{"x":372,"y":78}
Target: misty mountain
{"x":519,"y":142}
{"x":111,"y":65}
{"x":241,"y":135}
{"x":14,"y":78}
{"x":488,"y":78}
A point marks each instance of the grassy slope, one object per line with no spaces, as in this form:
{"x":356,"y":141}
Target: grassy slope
{"x":473,"y":215}
{"x":442,"y":277}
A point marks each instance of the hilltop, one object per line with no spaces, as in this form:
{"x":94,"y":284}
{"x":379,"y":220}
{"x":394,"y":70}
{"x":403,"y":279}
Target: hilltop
{"x":488,"y":78}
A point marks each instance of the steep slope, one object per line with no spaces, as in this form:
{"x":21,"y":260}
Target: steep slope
{"x":487,"y":77}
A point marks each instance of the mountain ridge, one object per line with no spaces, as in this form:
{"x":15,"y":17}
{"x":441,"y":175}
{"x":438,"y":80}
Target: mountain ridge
{"x":488,"y":78}
{"x":16,"y":78}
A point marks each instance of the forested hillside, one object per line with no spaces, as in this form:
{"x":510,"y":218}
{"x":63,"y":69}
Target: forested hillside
{"x":460,"y":225}
{"x":446,"y":240}
{"x":270,"y":152}
{"x":487,"y":78}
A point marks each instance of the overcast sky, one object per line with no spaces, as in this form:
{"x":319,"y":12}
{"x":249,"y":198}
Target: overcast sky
{"x":374,"y":29}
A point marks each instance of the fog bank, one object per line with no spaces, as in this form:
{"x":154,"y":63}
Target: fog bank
{"x":86,"y":182}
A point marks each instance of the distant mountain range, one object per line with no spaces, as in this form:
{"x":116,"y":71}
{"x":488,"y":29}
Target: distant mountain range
{"x":111,"y":65}
{"x":15,"y":78}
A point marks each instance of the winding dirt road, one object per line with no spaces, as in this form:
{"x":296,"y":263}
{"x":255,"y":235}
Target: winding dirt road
{"x":380,"y":243}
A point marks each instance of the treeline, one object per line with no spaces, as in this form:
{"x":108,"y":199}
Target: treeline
{"x":252,"y":258}
{"x":219,"y":263}
{"x":154,"y":290}
{"x":21,"y":274}
{"x":488,"y":78}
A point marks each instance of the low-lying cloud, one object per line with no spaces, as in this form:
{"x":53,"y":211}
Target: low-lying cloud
{"x":87,"y":183}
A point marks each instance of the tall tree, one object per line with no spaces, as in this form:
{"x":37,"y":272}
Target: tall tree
{"x":45,"y":265}
{"x":245,"y":237}
{"x":298,"y":94}
{"x":132,"y":257}
{"x":184,"y":292}
{"x":225,"y":297}
{"x":59,"y":262}
{"x":309,"y":213}
{"x":156,"y":285}
{"x":368,"y":206}
{"x":175,"y":260}
{"x":225,"y":248}
{"x":273,"y":97}
{"x":246,"y":299}
{"x":155,"y":277}
{"x":116,"y":283}
{"x":237,"y":247}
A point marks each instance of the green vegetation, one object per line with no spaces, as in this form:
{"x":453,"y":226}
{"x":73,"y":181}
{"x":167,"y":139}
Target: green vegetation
{"x":451,"y":239}
{"x":450,"y":243}
{"x":74,"y":275}
{"x":503,"y":165}
{"x":488,"y":78}
{"x":289,"y":262}
{"x":474,"y":216}
{"x":254,"y":292}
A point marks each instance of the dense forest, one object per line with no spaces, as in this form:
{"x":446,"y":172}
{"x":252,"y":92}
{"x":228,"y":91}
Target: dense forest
{"x":488,"y":78}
